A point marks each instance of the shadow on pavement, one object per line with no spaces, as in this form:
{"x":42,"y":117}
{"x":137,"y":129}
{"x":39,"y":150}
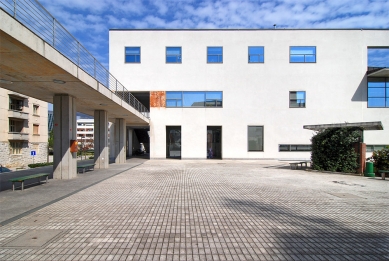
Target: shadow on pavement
{"x":300,"y":235}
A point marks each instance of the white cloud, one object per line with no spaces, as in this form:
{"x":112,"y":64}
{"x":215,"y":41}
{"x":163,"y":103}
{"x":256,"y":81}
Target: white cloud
{"x":90,"y":20}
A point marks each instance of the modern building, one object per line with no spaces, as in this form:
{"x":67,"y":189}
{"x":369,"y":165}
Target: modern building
{"x":24,"y":130}
{"x":85,"y":133}
{"x":246,"y":94}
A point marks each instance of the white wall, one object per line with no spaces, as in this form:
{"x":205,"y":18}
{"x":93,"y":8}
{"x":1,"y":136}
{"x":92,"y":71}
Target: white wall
{"x":253,"y":94}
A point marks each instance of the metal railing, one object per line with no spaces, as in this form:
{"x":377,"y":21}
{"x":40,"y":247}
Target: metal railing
{"x":36,"y":18}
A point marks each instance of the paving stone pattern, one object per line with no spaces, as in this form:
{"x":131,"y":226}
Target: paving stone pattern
{"x":213,"y":210}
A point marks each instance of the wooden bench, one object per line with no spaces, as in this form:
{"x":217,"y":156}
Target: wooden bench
{"x":383,"y":173}
{"x":85,"y":167}
{"x":301,"y":163}
{"x":34,"y":176}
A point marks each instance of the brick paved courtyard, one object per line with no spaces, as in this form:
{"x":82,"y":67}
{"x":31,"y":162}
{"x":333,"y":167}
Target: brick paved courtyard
{"x":209,"y":210}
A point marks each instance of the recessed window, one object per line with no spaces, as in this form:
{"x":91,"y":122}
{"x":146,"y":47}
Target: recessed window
{"x":132,"y":54}
{"x":12,"y":126}
{"x":255,"y":138}
{"x":256,"y":54}
{"x":194,"y":99}
{"x":15,"y":104}
{"x":35,"y":129}
{"x":173,"y":55}
{"x":16,"y":147}
{"x":35,"y":109}
{"x":302,"y":54}
{"x":215,"y":54}
{"x":294,"y":147}
{"x":297,"y":99}
{"x":378,"y":93}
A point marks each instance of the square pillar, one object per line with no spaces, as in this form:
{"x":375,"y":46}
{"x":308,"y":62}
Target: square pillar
{"x":120,"y":140}
{"x":129,"y":142}
{"x":65,"y":130}
{"x":101,"y":139}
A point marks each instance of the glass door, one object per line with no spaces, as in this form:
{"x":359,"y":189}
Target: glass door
{"x":173,"y":142}
{"x":214,"y":142}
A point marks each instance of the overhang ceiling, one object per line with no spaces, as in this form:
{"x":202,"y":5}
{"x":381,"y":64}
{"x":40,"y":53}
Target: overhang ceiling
{"x":25,"y":71}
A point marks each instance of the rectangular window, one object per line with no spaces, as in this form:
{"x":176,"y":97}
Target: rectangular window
{"x":378,"y":92}
{"x":371,"y":148}
{"x":173,"y":55}
{"x":194,"y":99}
{"x":302,"y":54}
{"x":15,"y":104}
{"x":294,"y":147}
{"x":215,"y":54}
{"x":256,"y":54}
{"x":35,"y":129}
{"x":16,"y":147}
{"x":12,"y":126}
{"x":297,"y":99}
{"x":132,"y":54}
{"x":35,"y":109}
{"x":255,"y":138}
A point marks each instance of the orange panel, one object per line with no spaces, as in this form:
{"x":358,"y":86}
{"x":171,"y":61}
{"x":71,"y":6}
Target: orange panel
{"x":157,"y":99}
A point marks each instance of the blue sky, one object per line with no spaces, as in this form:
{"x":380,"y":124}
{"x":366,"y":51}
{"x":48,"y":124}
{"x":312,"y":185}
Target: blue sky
{"x":90,"y":20}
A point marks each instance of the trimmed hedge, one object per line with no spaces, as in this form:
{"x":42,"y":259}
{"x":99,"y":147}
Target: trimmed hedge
{"x":332,"y":149}
{"x":36,"y":165}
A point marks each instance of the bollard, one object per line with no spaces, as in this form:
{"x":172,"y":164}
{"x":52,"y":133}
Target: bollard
{"x":369,"y":171}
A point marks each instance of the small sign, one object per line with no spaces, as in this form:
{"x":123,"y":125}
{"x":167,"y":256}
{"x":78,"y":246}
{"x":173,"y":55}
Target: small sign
{"x":33,"y":153}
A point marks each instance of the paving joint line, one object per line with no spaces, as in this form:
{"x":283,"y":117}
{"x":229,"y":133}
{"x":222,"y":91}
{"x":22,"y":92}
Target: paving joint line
{"x":10,"y":220}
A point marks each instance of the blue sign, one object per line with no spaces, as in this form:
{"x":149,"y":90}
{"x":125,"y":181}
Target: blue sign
{"x":33,"y":153}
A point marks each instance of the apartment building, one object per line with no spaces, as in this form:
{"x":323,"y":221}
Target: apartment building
{"x":24,"y":130}
{"x":246,"y":94}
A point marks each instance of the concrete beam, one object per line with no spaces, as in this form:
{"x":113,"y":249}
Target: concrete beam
{"x":65,"y":127}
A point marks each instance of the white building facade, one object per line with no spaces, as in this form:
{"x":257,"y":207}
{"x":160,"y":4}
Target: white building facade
{"x":246,"y":94}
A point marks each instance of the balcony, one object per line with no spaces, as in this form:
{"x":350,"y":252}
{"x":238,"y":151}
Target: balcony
{"x":17,"y":114}
{"x":17,"y":136}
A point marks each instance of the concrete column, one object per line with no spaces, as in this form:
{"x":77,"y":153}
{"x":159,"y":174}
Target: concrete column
{"x":65,"y":130}
{"x":120,"y":141}
{"x":101,"y":140}
{"x":129,"y":142}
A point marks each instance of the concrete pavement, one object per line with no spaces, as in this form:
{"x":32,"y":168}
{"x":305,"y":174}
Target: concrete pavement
{"x":201,"y":210}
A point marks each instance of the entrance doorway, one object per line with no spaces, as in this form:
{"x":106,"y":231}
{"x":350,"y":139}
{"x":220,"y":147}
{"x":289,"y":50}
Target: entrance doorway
{"x":173,"y":142}
{"x":214,"y":142}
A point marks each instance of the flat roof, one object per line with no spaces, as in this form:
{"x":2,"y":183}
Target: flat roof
{"x":252,"y":29}
{"x":384,"y":72}
{"x":374,"y":125}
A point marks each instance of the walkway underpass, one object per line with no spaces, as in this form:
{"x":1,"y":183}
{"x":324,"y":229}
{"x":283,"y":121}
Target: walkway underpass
{"x":40,"y":59}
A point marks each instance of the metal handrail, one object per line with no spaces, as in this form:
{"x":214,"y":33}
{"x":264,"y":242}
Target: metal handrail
{"x":36,"y":18}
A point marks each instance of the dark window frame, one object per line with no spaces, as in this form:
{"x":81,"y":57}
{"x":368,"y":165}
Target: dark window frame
{"x":385,"y":80}
{"x":135,"y":55}
{"x":263,"y":138}
{"x":290,"y":54}
{"x":290,"y":147}
{"x":218,"y":55}
{"x":218,"y":103}
{"x":259,"y":55}
{"x":179,"y":57}
{"x":305,"y":99}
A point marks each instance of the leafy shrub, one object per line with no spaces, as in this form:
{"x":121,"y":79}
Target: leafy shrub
{"x":333,"y":150}
{"x":381,"y":159}
{"x":36,"y":165}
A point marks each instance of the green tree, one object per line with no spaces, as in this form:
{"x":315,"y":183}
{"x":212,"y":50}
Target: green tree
{"x":333,"y":150}
{"x":51,"y":139}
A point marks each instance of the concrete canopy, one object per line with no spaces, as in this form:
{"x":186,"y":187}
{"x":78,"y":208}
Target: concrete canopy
{"x":375,"y":125}
{"x":31,"y":67}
